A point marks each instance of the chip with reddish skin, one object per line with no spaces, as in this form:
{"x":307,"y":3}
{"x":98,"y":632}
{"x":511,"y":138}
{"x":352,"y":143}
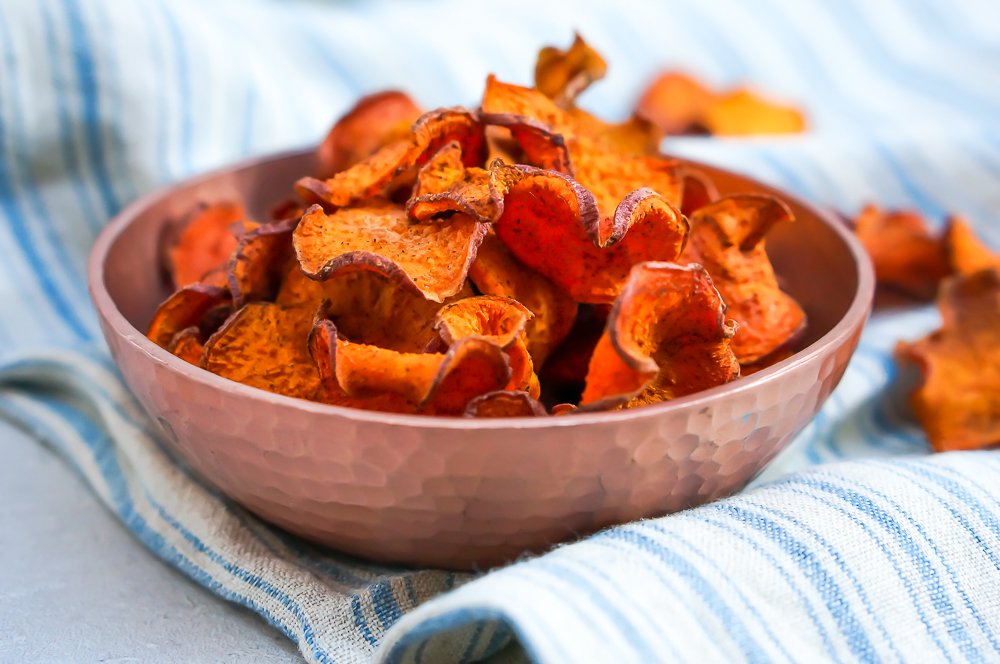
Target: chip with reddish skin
{"x":264,"y":345}
{"x":905,"y":255}
{"x":259,"y":262}
{"x":666,"y":337}
{"x":563,"y":409}
{"x":550,"y":223}
{"x":370,"y":177}
{"x":727,"y":238}
{"x":966,"y":252}
{"x":499,"y":319}
{"x":187,"y":345}
{"x":183,"y":309}
{"x":563,"y":75}
{"x":430,"y":258}
{"x":744,"y":113}
{"x":205,"y":243}
{"x":634,"y":137}
{"x":446,"y":185}
{"x":958,"y":398}
{"x":375,"y":121}
{"x":497,"y":272}
{"x":697,"y":191}
{"x":674,"y":102}
{"x":505,"y":404}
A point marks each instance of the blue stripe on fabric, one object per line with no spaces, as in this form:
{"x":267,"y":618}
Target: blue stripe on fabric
{"x":159,"y":61}
{"x":921,"y":199}
{"x":717,"y":605}
{"x":470,"y":649}
{"x":360,"y":622}
{"x":384,"y":603}
{"x":184,"y":100}
{"x":86,"y":74}
{"x":717,"y":44}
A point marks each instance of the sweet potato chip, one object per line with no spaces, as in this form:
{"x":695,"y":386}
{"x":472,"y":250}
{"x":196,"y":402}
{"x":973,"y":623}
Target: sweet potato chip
{"x":743,"y":113}
{"x":375,"y":121}
{"x":563,"y":75}
{"x":958,"y":399}
{"x":264,"y":345}
{"x":564,"y":373}
{"x":260,"y":261}
{"x":370,"y":177}
{"x":187,"y":345}
{"x":727,"y":238}
{"x":697,"y":191}
{"x":500,"y":144}
{"x":183,"y":309}
{"x":499,"y":319}
{"x":551,"y":224}
{"x":563,"y":409}
{"x":505,"y":404}
{"x":675,"y":103}
{"x":497,"y":272}
{"x":905,"y":255}
{"x":431,"y":258}
{"x":446,"y":185}
{"x":666,"y":337}
{"x":205,"y":243}
{"x":966,"y":252}
{"x":634,"y":137}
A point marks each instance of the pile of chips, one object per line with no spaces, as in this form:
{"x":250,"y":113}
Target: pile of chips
{"x":486,"y":262}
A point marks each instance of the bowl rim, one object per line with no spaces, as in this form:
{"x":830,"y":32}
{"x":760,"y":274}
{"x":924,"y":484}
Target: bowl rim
{"x":858,"y":311}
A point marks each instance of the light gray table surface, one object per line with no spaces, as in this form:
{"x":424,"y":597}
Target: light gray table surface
{"x":75,"y":586}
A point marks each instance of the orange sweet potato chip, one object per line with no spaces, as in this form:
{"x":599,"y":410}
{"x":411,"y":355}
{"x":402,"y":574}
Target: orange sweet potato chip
{"x":675,"y":103}
{"x":666,"y":337}
{"x":431,"y":258}
{"x":446,"y":185}
{"x":187,"y":345}
{"x":743,"y":112}
{"x":966,"y":252}
{"x":375,"y":121}
{"x":497,"y":272}
{"x":564,"y":373}
{"x":697,"y":191}
{"x":634,"y":137}
{"x":563,"y":75}
{"x":205,"y":243}
{"x":499,"y":319}
{"x":958,"y":399}
{"x":259,"y":262}
{"x":370,"y":177}
{"x":183,"y":309}
{"x":905,"y":255}
{"x":727,"y":238}
{"x":264,"y":345}
{"x":551,"y":224}
{"x":505,"y":404}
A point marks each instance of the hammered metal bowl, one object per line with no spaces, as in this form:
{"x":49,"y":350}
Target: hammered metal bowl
{"x":466,"y":493}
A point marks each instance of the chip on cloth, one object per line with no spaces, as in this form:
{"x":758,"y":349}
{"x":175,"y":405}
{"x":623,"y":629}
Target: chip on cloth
{"x":187,"y":345}
{"x":745,"y":113}
{"x":265,"y":345}
{"x":966,"y":252}
{"x":666,"y":337}
{"x":375,"y":121}
{"x":551,"y":224}
{"x":727,"y":238}
{"x":505,"y":404}
{"x":204,"y":243}
{"x":259,"y":262}
{"x":371,"y":176}
{"x":674,"y":102}
{"x":497,"y":272}
{"x":958,"y":399}
{"x":563,"y":75}
{"x":183,"y":309}
{"x":905,"y":254}
{"x":430,"y":258}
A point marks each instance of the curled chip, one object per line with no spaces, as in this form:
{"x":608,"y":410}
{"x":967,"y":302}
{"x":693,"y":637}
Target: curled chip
{"x":264,"y":345}
{"x":497,"y":272}
{"x":370,"y":177}
{"x":634,"y":137}
{"x":205,"y":243}
{"x":563,"y":75}
{"x":446,"y":185}
{"x":186,"y":345}
{"x":958,"y":399}
{"x":550,"y":223}
{"x":697,"y":191}
{"x":259,"y":262}
{"x":375,"y":121}
{"x":185,"y":308}
{"x":727,"y":238}
{"x":743,"y":112}
{"x":675,"y":103}
{"x":430,"y":258}
{"x":553,"y":139}
{"x":438,"y":383}
{"x":505,"y":404}
{"x":966,"y":252}
{"x":904,"y":253}
{"x":499,"y":319}
{"x":666,"y":337}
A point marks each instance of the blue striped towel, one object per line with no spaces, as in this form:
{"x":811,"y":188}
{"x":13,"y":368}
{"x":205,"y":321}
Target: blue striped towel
{"x":891,"y":558}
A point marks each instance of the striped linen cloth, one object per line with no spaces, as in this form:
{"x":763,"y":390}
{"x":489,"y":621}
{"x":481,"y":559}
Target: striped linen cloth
{"x":890,"y":559}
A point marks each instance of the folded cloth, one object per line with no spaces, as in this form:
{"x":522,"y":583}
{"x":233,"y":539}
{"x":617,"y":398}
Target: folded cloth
{"x":102,"y":100}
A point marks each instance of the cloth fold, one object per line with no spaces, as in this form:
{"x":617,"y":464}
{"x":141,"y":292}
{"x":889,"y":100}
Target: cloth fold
{"x":873,"y":560}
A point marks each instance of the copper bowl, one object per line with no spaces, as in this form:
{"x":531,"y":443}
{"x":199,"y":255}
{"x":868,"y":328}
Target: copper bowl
{"x":466,"y":493}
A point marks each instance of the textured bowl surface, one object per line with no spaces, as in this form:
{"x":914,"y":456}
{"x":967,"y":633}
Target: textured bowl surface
{"x":457,"y":492}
